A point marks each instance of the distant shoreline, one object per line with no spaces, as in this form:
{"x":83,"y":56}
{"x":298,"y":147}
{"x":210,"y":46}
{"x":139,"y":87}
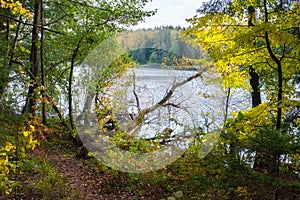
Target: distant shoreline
{"x":159,"y":66}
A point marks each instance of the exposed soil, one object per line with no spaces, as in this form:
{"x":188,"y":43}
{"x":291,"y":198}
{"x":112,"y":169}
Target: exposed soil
{"x":87,"y":182}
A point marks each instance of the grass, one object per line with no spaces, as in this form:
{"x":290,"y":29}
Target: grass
{"x":46,"y":183}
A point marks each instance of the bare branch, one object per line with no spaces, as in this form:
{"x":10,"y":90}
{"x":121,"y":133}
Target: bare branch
{"x":139,"y":120}
{"x":135,"y":94}
{"x":141,"y":117}
{"x":171,"y":104}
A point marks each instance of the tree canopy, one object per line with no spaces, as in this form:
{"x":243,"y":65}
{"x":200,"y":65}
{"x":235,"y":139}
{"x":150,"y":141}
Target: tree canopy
{"x":254,"y":45}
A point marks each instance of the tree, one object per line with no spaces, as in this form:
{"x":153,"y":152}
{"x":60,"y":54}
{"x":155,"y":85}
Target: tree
{"x":41,"y":50}
{"x":30,"y":105}
{"x":69,"y":29}
{"x":154,"y":57}
{"x":41,"y":43}
{"x":253,"y":45}
{"x":9,"y":37}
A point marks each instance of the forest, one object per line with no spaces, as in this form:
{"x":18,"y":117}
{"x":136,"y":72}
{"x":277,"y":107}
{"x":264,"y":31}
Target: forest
{"x":91,"y":109}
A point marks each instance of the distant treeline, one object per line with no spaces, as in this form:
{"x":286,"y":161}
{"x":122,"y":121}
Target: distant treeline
{"x":153,"y":55}
{"x":163,"y":45}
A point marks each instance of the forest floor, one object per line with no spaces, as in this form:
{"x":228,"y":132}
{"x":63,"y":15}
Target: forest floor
{"x":55,"y":170}
{"x":85,"y":179}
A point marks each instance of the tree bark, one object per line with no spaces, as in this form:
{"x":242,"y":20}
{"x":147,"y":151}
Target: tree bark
{"x":30,"y":104}
{"x":70,"y":97}
{"x":44,"y":115}
{"x":254,"y":82}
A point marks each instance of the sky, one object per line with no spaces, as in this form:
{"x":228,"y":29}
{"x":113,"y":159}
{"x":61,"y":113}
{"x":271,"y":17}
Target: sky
{"x":170,"y":12}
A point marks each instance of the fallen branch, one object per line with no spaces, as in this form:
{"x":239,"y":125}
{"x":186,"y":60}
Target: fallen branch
{"x":163,"y":102}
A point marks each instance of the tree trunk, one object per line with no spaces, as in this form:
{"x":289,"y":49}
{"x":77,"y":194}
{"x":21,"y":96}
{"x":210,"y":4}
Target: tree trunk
{"x":256,"y":101}
{"x":269,"y":160}
{"x":30,"y":104}
{"x":254,"y":82}
{"x":70,"y":97}
{"x":263,"y":160}
{"x":44,"y":99}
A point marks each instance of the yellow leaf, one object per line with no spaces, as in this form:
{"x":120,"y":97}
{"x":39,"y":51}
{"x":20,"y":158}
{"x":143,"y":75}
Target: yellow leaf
{"x":26,"y":133}
{"x":32,"y":127}
{"x":5,"y":170}
{"x":8,"y":146}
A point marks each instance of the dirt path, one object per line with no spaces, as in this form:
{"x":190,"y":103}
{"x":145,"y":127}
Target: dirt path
{"x":87,"y":182}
